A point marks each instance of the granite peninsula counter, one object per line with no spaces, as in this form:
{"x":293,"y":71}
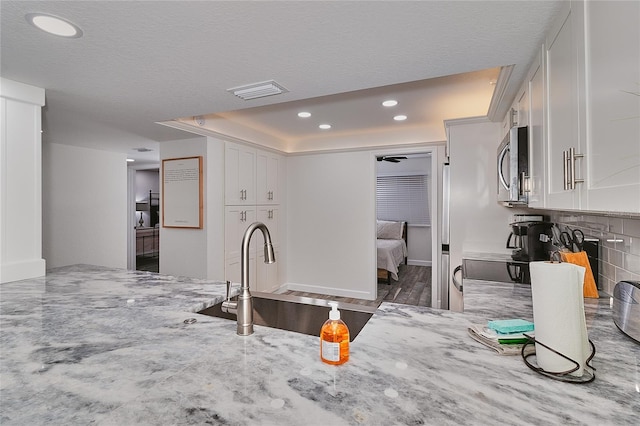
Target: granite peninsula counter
{"x":88,"y":345}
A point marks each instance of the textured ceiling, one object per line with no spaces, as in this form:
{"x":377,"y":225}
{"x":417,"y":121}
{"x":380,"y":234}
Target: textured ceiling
{"x":141,"y":62}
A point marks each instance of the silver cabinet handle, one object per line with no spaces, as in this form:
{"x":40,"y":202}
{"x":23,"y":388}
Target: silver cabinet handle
{"x":565,"y":169}
{"x":572,"y":165}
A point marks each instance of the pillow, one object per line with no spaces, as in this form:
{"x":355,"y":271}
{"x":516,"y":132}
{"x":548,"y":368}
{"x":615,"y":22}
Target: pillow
{"x":389,"y":230}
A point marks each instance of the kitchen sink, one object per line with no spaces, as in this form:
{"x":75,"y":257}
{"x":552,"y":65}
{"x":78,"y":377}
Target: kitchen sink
{"x":299,"y":314}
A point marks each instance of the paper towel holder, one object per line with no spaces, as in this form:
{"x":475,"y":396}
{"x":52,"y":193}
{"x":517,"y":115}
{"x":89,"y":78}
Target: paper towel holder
{"x":564,"y":376}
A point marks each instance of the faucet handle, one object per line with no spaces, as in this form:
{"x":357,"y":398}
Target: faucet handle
{"x":228,"y":306}
{"x":228,"y":290}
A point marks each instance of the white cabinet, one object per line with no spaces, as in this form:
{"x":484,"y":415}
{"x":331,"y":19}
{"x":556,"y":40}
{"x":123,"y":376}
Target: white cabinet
{"x":266,"y":275}
{"x":612,"y":142}
{"x":592,"y":67}
{"x":535,"y":116}
{"x":267,"y":177}
{"x":253,"y":182}
{"x":270,"y":216}
{"x":237,"y":220}
{"x":240,"y":174}
{"x":563,"y":126}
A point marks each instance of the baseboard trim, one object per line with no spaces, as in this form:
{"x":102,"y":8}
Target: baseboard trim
{"x":419,"y":262}
{"x":22,"y":270}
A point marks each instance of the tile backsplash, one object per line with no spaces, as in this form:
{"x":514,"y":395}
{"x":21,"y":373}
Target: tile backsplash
{"x":619,"y":243}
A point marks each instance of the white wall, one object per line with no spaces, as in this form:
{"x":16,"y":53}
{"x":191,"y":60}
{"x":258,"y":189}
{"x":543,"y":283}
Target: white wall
{"x":20,"y":181}
{"x":197,"y":253}
{"x":331,"y":224}
{"x":84,"y":206}
{"x":477,"y":222}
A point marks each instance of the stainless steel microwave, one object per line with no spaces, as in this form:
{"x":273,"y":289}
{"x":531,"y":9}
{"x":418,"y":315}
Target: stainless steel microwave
{"x":513,"y":167}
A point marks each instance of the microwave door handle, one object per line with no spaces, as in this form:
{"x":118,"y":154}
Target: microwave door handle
{"x":503,"y":153}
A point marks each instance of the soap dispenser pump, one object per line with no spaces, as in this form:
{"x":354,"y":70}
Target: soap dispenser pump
{"x":334,"y":338}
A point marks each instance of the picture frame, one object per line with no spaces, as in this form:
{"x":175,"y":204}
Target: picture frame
{"x":182,"y":189}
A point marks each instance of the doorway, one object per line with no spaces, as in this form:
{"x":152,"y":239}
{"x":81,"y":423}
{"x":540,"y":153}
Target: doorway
{"x":144,"y":239}
{"x":407,"y":190}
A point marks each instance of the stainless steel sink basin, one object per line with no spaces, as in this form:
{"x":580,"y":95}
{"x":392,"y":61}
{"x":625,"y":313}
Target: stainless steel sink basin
{"x":300,"y":314}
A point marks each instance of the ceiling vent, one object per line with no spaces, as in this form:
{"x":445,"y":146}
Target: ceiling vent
{"x":142,"y":149}
{"x":258,"y":90}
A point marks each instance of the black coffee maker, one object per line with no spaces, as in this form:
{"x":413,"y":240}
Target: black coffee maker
{"x":531,"y":241}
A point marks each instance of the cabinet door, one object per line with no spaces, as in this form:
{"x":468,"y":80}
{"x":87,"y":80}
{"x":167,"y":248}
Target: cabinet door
{"x":266,"y":274}
{"x":523,"y":107}
{"x":232,"y":273}
{"x":562,"y":109}
{"x":240,"y":174}
{"x":267,"y":178}
{"x":613,"y":106}
{"x":270,"y":216}
{"x":535,"y":82}
{"x":237,"y":220}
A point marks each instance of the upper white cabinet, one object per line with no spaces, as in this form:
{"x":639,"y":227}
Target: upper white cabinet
{"x":240,"y":174}
{"x":592,"y":60}
{"x":563,"y":64}
{"x":535,"y":117}
{"x":268,"y":175}
{"x":612,"y":142}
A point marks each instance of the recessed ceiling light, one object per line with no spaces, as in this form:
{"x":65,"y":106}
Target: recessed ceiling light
{"x":54,"y":25}
{"x":325,"y":126}
{"x":400,"y":117}
{"x":130,"y":160}
{"x":304,"y":114}
{"x":390,"y":103}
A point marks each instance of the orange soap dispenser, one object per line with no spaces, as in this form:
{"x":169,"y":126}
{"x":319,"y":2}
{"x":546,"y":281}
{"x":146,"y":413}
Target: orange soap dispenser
{"x":334,"y":338}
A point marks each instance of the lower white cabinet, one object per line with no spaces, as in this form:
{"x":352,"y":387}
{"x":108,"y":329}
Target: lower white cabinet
{"x":262,"y":277}
{"x":237,"y":220}
{"x":266,"y":276}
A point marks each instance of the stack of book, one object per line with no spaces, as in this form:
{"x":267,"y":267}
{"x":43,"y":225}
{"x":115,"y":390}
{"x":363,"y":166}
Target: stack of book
{"x":507,"y":337}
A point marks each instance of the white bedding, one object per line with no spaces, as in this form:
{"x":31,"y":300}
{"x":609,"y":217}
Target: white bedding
{"x":391,"y":253}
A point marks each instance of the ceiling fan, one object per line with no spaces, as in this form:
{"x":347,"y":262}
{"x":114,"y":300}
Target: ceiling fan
{"x":391,"y":158}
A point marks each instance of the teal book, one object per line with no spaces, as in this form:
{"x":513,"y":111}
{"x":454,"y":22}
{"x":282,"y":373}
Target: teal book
{"x":510,"y":326}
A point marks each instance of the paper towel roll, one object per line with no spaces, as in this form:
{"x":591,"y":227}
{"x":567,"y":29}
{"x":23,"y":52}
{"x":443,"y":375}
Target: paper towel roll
{"x":558,"y":315}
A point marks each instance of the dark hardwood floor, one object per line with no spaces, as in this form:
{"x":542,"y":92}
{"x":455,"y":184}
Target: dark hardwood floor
{"x":150,"y":264}
{"x":412,"y":288}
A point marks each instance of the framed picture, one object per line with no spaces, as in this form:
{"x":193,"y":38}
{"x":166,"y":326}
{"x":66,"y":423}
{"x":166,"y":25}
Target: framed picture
{"x":182,"y":192}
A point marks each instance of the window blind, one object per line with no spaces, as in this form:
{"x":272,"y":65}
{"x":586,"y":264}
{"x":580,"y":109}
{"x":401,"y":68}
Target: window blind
{"x":404,"y":198}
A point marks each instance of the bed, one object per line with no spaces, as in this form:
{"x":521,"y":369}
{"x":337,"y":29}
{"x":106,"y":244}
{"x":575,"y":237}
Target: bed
{"x":392,"y":248}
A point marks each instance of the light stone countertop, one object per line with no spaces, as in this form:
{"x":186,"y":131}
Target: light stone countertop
{"x":88,"y":345}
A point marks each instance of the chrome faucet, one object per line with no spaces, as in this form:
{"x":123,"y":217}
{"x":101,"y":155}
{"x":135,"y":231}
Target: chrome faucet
{"x":243,"y":307}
